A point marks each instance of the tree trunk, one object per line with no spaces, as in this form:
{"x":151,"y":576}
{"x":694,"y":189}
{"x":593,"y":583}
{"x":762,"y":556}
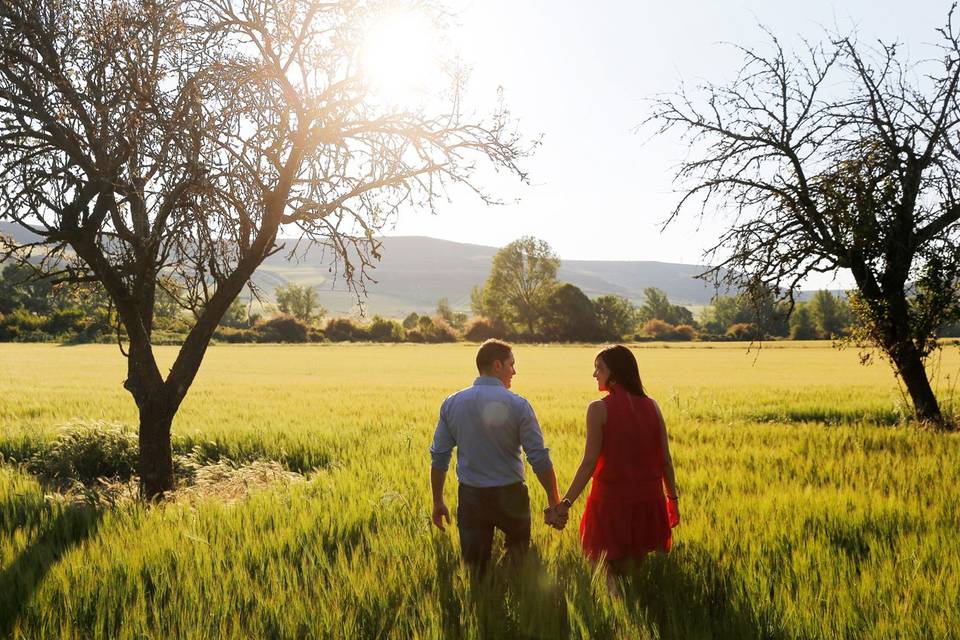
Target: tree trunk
{"x":156,"y":456}
{"x":906,"y":358}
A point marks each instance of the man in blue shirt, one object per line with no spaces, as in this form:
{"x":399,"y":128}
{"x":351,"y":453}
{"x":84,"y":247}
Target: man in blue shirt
{"x":489,"y":424}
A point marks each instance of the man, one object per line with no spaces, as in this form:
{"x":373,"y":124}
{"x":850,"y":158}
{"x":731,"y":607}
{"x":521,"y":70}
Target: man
{"x":489,"y":424}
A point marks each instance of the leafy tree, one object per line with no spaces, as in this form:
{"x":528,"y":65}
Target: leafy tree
{"x":384,"y":330}
{"x":455,"y":319}
{"x":149,"y":138}
{"x":802,"y":326}
{"x":840,"y":157}
{"x":523,"y":277}
{"x":20,"y":288}
{"x":410,"y":321}
{"x":301,"y":302}
{"x":569,"y":315}
{"x":236,"y":316}
{"x":831,"y":315}
{"x":656,"y":306}
{"x":616,"y":316}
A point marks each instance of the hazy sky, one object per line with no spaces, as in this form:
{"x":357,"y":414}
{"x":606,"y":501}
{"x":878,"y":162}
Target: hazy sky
{"x":578,"y":73}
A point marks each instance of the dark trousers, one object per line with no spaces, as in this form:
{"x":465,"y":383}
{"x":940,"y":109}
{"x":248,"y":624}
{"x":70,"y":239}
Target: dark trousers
{"x":481,"y":509}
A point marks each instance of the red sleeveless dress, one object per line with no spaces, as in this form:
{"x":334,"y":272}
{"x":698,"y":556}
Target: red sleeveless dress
{"x":626,"y":513}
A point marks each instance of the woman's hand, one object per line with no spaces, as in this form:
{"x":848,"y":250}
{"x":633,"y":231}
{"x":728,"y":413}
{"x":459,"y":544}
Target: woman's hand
{"x":673,"y":511}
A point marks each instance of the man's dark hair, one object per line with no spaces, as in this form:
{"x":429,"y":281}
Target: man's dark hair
{"x":491,"y":351}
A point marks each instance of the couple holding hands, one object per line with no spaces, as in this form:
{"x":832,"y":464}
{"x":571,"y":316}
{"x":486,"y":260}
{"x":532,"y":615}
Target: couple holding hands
{"x":632,"y":504}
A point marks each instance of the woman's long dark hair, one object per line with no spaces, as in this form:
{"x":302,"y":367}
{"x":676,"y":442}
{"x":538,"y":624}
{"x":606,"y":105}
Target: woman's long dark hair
{"x":623,"y":368}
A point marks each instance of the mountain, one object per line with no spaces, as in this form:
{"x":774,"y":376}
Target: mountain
{"x":414,"y":272}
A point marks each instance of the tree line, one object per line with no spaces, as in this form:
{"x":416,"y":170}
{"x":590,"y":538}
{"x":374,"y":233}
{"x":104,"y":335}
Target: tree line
{"x":543,"y":310}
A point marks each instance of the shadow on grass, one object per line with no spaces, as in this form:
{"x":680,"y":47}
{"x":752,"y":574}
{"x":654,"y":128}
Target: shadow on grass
{"x":511,"y":600}
{"x":21,"y":579}
{"x":687,"y":594}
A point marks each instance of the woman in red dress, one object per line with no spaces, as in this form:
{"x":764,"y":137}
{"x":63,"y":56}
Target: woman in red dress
{"x":632,"y":504}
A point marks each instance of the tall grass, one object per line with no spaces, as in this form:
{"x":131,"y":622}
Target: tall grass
{"x":808,"y":510}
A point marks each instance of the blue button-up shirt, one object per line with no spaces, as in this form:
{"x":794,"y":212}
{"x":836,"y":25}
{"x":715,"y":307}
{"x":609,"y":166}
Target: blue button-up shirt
{"x":488,"y":424}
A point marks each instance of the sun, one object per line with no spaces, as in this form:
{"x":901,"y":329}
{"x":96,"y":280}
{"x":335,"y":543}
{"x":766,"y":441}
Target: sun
{"x":400,"y":57}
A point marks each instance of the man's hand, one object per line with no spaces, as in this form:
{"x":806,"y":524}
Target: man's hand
{"x":440,"y":513}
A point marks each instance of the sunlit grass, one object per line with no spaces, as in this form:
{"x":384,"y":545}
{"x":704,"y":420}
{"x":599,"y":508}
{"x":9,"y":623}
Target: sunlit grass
{"x":809,"y":511}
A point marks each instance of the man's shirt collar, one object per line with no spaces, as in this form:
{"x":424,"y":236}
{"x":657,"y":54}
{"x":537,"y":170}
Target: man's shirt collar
{"x":488,"y":381}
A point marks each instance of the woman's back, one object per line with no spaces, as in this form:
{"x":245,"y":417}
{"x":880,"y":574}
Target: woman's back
{"x":631,"y":452}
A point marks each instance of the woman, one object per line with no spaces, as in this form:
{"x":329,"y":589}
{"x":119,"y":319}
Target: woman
{"x":632,"y":503}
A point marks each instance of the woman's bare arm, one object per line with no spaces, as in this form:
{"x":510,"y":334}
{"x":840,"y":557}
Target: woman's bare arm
{"x":669,"y":479}
{"x":596,"y":417}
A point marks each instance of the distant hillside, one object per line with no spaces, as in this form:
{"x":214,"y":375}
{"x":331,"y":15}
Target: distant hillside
{"x":415,"y":272}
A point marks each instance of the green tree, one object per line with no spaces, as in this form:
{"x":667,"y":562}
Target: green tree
{"x":301,"y":302}
{"x":616,"y":316}
{"x":832,"y":315}
{"x":656,"y":306}
{"x":455,"y":319}
{"x":523,"y":277}
{"x":118,"y":120}
{"x":410,"y":322}
{"x":802,"y":326}
{"x":569,"y":315}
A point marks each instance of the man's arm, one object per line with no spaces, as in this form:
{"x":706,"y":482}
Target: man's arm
{"x":531,"y":439}
{"x":440,"y":453}
{"x":440,"y":511}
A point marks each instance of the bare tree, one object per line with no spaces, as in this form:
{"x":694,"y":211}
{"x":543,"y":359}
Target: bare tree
{"x":842,"y":156}
{"x":152,"y":141}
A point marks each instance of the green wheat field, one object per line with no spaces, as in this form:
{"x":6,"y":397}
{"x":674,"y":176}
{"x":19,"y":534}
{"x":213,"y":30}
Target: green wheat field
{"x":810,"y":508}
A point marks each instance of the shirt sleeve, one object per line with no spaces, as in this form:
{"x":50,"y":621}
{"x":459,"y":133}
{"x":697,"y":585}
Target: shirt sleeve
{"x":531,"y":438}
{"x":443,"y":443}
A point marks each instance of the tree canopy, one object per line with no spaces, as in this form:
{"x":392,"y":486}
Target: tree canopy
{"x":841,"y":156}
{"x":145,"y":142}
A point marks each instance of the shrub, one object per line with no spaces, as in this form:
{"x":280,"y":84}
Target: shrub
{"x":743,"y":331}
{"x":684,"y":332}
{"x":282,"y":328}
{"x":480,"y":329}
{"x":384,"y":330}
{"x":442,"y":331}
{"x":231,"y":335}
{"x":344,"y":329}
{"x":658,"y":330}
{"x":86,"y":451}
{"x":64,"y":321}
{"x":414,"y":335}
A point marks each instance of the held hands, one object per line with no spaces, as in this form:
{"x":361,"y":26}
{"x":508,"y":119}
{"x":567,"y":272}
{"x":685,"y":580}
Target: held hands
{"x":557,"y":516}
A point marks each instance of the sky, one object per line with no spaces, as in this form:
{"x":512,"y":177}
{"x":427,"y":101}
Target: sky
{"x":580,"y":74}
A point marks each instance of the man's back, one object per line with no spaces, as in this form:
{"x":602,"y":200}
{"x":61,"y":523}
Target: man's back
{"x":488,"y":424}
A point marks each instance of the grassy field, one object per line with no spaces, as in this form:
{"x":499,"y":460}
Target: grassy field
{"x":809,"y":509}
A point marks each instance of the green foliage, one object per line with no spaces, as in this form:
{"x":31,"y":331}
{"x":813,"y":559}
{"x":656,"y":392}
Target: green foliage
{"x":84,"y":452}
{"x":283,"y":328}
{"x":344,"y":330}
{"x":522,"y":278}
{"x":802,"y":325}
{"x":656,"y":306}
{"x":569,"y":316}
{"x":616,"y":316}
{"x":384,"y":330}
{"x":831,"y":315}
{"x":237,"y":316}
{"x":410,"y":322}
{"x":301,"y":302}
